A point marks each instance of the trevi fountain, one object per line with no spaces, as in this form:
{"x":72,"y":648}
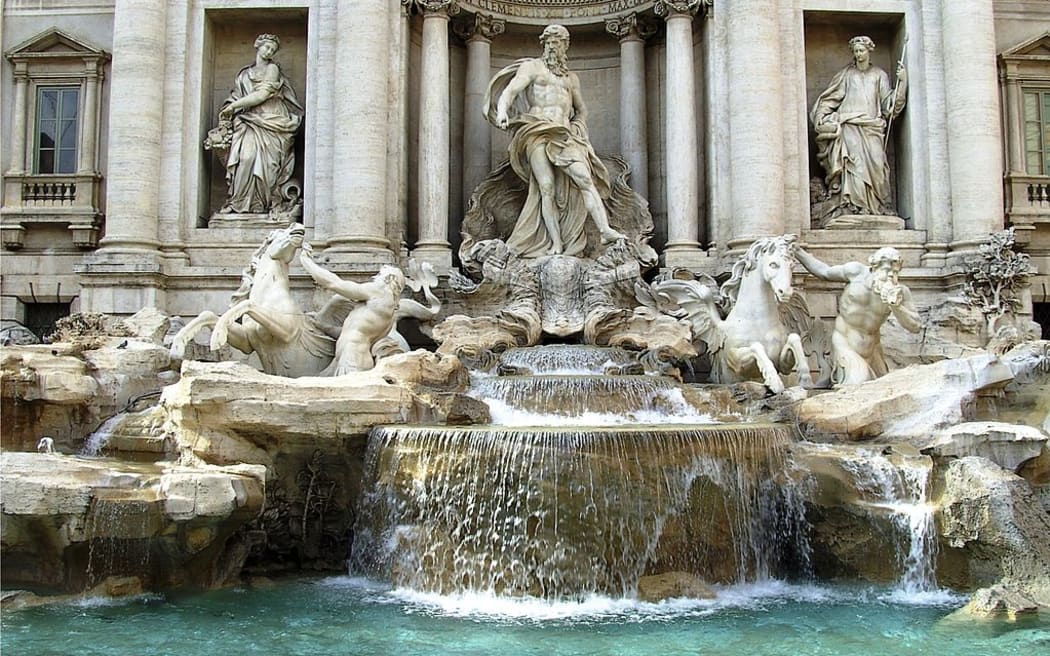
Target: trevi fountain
{"x":572,"y":429}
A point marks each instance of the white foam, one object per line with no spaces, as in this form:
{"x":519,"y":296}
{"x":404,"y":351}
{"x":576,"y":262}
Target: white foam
{"x":503,"y":414}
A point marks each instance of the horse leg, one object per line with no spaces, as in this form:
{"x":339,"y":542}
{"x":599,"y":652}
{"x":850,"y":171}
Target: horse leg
{"x":203,"y":320}
{"x":225,"y":328}
{"x":770,"y":375}
{"x":281,"y":331}
{"x":793,"y":345}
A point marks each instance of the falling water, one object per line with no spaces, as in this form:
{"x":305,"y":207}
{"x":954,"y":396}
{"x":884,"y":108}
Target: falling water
{"x":118,"y":530}
{"x":566,"y":513}
{"x":561,"y":359}
{"x":100,"y":438}
{"x":900,"y":487}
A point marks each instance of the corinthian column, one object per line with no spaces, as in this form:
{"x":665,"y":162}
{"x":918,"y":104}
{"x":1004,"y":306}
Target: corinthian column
{"x":432,"y":245}
{"x":681,"y":167}
{"x":633,"y":142}
{"x":135,"y":123}
{"x":755,"y":101}
{"x":361,"y":111}
{"x":974,"y":139}
{"x":477,"y":139}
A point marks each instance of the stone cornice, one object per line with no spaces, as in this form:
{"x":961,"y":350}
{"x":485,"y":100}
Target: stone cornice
{"x":566,"y":12}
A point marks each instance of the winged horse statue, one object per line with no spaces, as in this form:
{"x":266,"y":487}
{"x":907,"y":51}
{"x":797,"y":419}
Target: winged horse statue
{"x":264,"y":318}
{"x":752,"y":339}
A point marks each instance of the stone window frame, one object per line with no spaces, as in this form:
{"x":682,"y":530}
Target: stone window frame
{"x":1024,"y":68}
{"x":38,"y":148}
{"x":54,"y":58}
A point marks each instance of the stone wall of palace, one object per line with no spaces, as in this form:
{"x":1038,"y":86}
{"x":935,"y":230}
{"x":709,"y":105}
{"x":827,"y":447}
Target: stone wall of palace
{"x":392,"y":142}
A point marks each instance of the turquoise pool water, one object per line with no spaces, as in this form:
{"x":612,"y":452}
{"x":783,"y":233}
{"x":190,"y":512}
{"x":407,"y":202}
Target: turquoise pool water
{"x":344,"y":615}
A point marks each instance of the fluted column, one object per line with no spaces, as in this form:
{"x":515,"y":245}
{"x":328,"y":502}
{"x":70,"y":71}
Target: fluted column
{"x":681,"y":167}
{"x":18,"y":124}
{"x":432,"y":245}
{"x":477,"y":136}
{"x":88,"y":128}
{"x":974,"y":133}
{"x":361,"y":111}
{"x":135,"y":123}
{"x":634,"y":144}
{"x":755,"y":102}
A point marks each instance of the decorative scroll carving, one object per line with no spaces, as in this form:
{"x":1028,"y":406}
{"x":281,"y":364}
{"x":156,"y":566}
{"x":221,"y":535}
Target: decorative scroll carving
{"x":668,"y":8}
{"x":630,"y":26}
{"x":483,"y":26}
{"x":451,"y":7}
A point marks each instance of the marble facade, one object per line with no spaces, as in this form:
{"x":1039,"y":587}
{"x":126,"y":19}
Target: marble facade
{"x":707,"y":102}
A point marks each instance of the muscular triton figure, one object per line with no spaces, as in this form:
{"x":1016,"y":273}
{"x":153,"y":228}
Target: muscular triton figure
{"x":540,"y":100}
{"x":872,"y":293}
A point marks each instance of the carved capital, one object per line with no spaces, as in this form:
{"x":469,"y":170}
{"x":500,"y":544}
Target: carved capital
{"x":482,"y":26}
{"x":447,"y":7}
{"x":669,"y":8}
{"x":630,"y":26}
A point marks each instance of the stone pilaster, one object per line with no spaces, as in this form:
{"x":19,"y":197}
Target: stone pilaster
{"x":433,"y":245}
{"x":1014,"y":120}
{"x":357,"y":235}
{"x":634,"y":145}
{"x":18,"y":123}
{"x":756,"y":147}
{"x":135,"y":125}
{"x":89,"y":121}
{"x":477,"y":136}
{"x":681,"y":166}
{"x":974,"y":133}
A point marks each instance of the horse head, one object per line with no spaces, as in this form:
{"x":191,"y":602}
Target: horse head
{"x":775,"y":260}
{"x":281,"y":244}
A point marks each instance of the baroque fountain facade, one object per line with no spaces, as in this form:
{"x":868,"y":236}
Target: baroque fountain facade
{"x":715,"y":294}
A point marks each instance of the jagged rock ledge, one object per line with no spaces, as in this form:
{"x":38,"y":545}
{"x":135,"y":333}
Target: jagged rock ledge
{"x":70,"y":522}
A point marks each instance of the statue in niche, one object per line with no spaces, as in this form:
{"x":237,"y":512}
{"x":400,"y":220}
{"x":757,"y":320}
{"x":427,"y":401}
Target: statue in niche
{"x":852,"y":118}
{"x":873,"y":292}
{"x":255,"y":139}
{"x":369,"y":330}
{"x":540,"y":100}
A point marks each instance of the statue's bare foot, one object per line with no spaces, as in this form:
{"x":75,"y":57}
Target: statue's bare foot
{"x":556,"y":249}
{"x":610,"y":235}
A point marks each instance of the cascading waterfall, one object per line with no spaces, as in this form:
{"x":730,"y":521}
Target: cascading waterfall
{"x":563,"y":508}
{"x":900,"y":487}
{"x":100,"y":438}
{"x":118,"y":531}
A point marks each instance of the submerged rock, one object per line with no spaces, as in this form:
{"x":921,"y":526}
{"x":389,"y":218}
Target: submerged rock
{"x":1000,"y":602}
{"x":673,"y":585}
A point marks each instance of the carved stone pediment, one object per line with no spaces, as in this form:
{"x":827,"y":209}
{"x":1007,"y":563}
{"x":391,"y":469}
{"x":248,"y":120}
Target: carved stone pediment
{"x":54,"y":44}
{"x":1036,"y":47}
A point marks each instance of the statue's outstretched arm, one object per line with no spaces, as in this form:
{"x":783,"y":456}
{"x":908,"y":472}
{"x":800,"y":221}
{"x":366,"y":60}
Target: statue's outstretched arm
{"x":333,"y":283}
{"x":838,"y":273}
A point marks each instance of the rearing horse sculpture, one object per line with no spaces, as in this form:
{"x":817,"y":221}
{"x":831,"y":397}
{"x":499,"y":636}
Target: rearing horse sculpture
{"x":752,"y":341}
{"x":264,"y":318}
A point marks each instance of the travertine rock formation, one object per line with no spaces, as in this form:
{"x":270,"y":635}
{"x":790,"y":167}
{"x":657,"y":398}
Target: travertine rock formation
{"x":68,"y":522}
